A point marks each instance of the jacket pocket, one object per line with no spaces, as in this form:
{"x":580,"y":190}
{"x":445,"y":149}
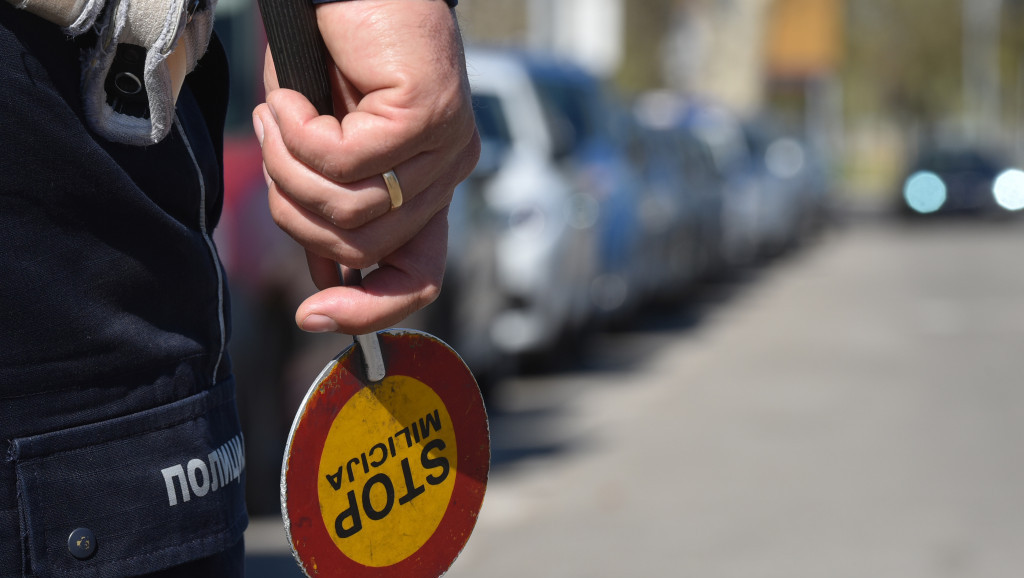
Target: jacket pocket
{"x":135,"y":494}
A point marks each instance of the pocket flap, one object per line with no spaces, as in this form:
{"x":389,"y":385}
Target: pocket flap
{"x":135,"y":494}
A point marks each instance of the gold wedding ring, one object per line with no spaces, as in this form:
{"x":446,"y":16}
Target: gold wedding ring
{"x":394,"y":189}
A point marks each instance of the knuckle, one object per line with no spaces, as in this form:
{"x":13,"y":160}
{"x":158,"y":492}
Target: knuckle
{"x":428,"y":296}
{"x":352,"y":256}
{"x":276,"y":207}
{"x":343,"y":215}
{"x":333,"y":169}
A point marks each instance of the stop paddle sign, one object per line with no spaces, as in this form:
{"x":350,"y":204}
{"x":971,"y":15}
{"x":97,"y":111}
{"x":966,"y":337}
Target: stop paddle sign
{"x":386,"y":462}
{"x":386,"y":478}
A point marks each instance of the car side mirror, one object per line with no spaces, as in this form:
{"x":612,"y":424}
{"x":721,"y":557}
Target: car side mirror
{"x":492,"y":157}
{"x":563,"y":139}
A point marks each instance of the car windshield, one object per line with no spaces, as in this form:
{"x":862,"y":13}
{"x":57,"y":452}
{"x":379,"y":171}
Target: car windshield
{"x":577,"y":105}
{"x":490,"y":119}
{"x":957,"y":161}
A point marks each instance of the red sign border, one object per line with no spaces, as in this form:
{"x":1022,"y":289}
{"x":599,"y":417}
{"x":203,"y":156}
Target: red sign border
{"x":429,"y":360}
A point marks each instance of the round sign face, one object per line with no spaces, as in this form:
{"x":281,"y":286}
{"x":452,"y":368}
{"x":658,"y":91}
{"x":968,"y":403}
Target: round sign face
{"x":386,"y":478}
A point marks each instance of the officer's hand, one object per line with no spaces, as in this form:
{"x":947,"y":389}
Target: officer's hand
{"x":403,"y":104}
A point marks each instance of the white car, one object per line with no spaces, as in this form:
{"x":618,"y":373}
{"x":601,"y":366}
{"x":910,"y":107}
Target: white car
{"x":544,"y":250}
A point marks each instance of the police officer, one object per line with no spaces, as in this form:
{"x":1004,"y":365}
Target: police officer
{"x":123,"y":450}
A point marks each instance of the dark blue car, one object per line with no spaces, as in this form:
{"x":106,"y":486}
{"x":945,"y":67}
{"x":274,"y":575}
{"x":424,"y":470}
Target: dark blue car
{"x":962,"y":180}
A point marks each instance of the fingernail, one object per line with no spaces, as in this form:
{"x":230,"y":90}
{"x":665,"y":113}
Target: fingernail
{"x":319,"y":324}
{"x":257,"y":126}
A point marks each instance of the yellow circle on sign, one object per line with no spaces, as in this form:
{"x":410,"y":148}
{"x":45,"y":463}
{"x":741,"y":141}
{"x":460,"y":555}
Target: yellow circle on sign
{"x":387,"y":471}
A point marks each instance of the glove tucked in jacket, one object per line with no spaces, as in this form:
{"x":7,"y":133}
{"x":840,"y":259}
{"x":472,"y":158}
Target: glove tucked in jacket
{"x":131,"y":77}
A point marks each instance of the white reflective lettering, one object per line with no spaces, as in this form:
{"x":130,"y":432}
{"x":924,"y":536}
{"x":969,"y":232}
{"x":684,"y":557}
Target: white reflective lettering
{"x":197,"y":465}
{"x":216,"y":471}
{"x":169,"y":475}
{"x":232,"y":453}
{"x":226,"y":465}
{"x":240,"y":444}
{"x":236,"y":454}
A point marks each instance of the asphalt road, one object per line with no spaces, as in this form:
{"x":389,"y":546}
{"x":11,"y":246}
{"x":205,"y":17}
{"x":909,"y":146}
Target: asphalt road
{"x":853,"y":410}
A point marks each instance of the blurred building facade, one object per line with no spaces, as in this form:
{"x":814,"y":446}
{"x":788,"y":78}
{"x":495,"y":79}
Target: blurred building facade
{"x":728,"y":51}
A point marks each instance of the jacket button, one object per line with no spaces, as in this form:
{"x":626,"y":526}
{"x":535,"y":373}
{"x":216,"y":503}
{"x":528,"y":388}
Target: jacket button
{"x":82,"y":543}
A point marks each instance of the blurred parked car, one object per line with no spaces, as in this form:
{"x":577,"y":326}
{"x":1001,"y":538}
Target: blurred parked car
{"x":668,"y":212}
{"x":707,"y":186}
{"x":469,"y":302}
{"x":592,"y":129}
{"x":961,"y":179}
{"x":543,"y":247}
{"x":744,"y":196}
{"x":790,"y":188}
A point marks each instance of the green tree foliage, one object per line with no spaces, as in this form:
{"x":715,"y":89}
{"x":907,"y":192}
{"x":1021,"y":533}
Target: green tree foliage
{"x":904,"y":57}
{"x":647,"y":25}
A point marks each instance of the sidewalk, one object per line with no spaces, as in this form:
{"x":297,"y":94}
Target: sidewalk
{"x":855,"y":411}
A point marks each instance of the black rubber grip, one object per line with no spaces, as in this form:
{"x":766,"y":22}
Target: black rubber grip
{"x":301,"y":61}
{"x":299,"y":53}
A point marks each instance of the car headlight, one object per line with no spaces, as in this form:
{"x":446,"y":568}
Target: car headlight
{"x":924,"y":192}
{"x":1008,"y":189}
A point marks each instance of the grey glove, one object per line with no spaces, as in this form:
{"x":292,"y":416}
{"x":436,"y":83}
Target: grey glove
{"x":74,"y":16}
{"x":131,"y":78}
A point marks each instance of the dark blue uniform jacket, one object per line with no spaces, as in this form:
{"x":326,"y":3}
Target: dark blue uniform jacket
{"x":120,"y":448}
